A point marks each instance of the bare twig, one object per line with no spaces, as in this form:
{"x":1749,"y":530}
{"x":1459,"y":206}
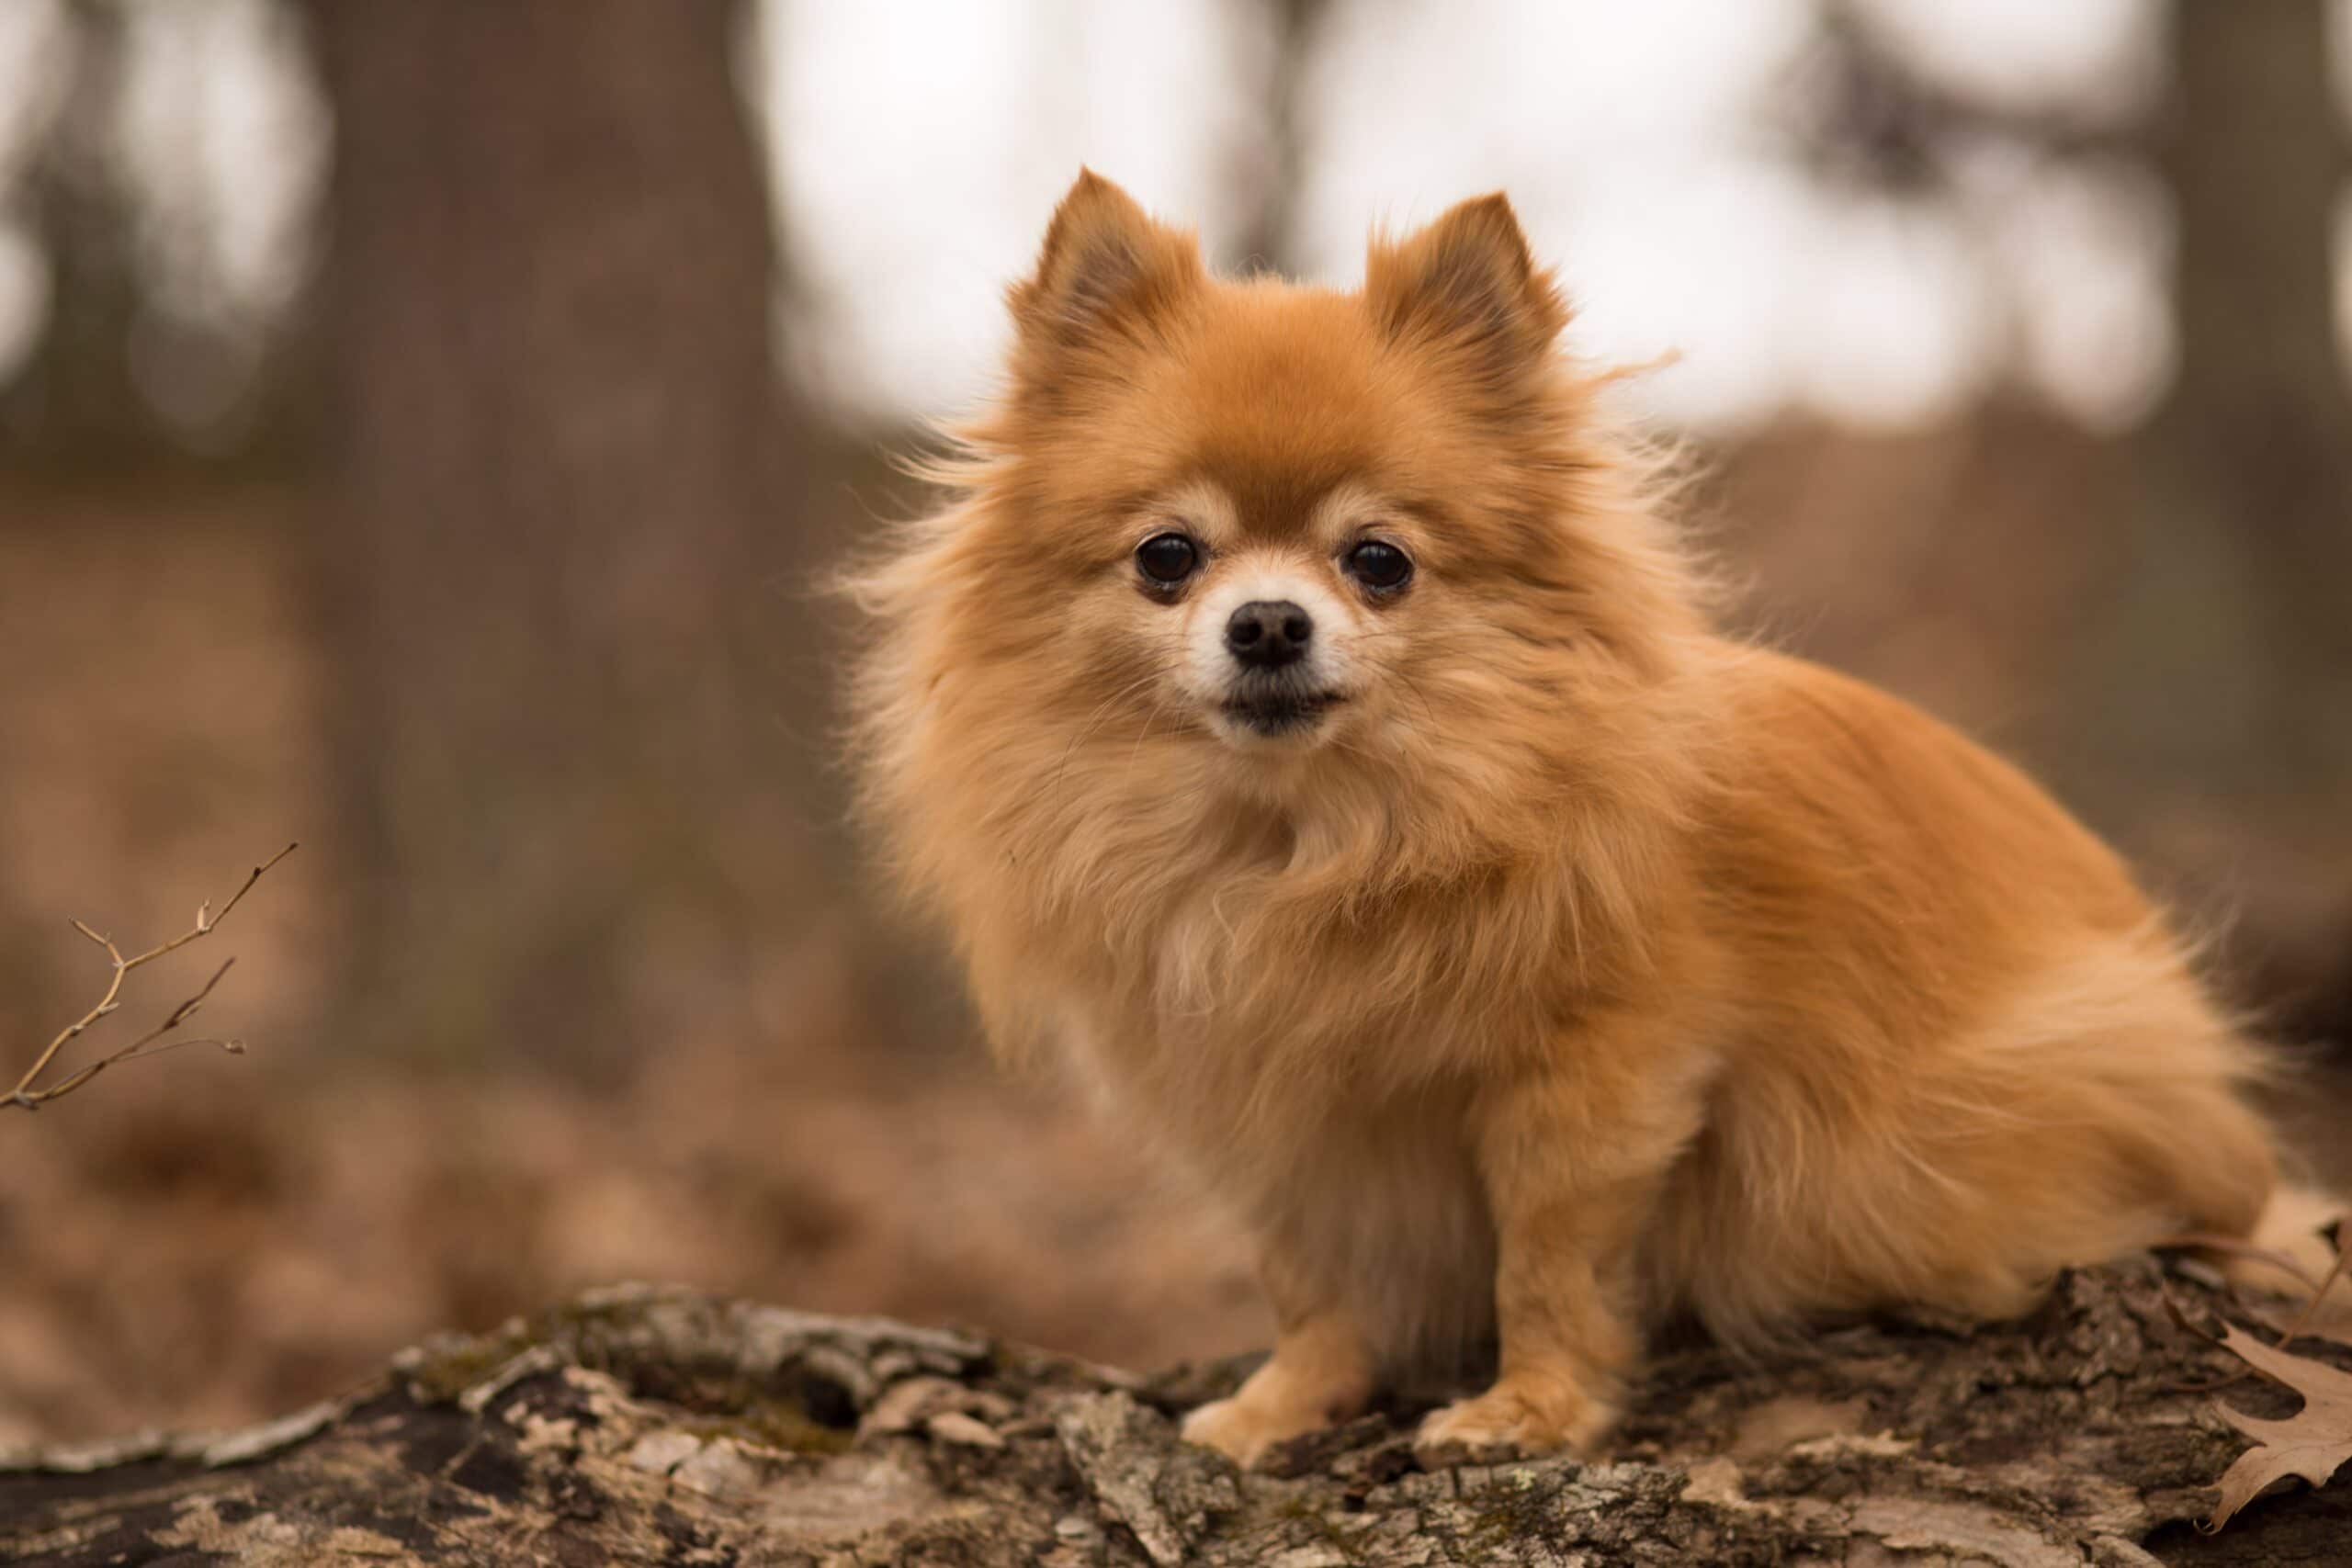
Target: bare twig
{"x":2238,"y":1247}
{"x":30,"y":1094}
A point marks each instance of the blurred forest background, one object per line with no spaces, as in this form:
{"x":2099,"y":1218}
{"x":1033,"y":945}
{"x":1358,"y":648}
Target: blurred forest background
{"x":419,"y":424}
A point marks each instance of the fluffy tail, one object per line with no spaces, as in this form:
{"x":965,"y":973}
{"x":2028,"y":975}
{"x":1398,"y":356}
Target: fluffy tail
{"x":2292,"y":1228}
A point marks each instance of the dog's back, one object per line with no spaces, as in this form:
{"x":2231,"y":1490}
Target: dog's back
{"x":1964,"y":1050}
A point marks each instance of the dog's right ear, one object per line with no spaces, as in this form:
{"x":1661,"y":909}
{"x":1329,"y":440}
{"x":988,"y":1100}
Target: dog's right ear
{"x":1468,"y":283}
{"x":1106,"y":267}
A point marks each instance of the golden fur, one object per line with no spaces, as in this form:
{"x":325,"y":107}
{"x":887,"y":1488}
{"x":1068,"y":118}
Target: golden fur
{"x":1582,"y":967}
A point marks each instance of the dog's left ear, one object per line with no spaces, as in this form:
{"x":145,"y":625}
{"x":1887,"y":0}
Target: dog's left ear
{"x":1106,"y":267}
{"x":1469,"y":280}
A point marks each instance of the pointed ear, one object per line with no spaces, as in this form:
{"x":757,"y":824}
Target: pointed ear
{"x":1468,"y":279}
{"x":1105,"y":264}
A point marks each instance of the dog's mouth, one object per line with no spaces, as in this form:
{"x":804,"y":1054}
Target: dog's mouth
{"x":1280,"y":713}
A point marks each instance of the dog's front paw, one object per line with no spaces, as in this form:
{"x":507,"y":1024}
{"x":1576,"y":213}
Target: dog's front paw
{"x":1507,"y":1422}
{"x":1242,"y":1430}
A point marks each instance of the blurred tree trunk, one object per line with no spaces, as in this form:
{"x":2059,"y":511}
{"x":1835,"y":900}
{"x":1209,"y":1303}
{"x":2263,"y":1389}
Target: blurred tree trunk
{"x":1271,"y":240}
{"x":2228,"y":657}
{"x":551,"y":437}
{"x":73,"y":403}
{"x":2219,"y":707}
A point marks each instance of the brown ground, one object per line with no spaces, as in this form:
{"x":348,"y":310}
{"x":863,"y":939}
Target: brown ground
{"x":209,"y":1242}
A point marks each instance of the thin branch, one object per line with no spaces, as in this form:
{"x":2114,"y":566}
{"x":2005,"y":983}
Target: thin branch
{"x":2238,"y":1247}
{"x":2310,"y":1308}
{"x":30,"y":1095}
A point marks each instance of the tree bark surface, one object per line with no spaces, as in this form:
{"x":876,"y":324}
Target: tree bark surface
{"x":639,"y":1425}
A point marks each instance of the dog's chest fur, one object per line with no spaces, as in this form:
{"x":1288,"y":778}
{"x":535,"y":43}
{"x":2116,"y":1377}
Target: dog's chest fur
{"x":1384,"y":1207}
{"x":1362,"y":1182}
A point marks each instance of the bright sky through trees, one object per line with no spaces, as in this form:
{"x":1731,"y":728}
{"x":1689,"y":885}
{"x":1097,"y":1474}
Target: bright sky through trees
{"x":919,"y":149}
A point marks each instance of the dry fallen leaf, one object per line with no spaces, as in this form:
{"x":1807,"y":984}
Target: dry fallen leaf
{"x":2315,"y":1443}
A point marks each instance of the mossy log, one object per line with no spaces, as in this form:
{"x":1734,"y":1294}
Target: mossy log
{"x":646,"y":1426}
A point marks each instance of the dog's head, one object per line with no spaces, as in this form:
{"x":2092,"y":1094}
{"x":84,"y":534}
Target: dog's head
{"x":1262,"y":536}
{"x":1252,"y":609}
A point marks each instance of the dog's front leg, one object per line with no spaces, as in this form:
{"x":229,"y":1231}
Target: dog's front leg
{"x":1572,"y":1162}
{"x":1322,"y":1372}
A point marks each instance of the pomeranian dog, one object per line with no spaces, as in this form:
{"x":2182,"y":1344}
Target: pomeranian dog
{"x":1308,"y":726}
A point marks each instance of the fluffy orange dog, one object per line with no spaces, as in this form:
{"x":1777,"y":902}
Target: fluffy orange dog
{"x":1307,"y":724}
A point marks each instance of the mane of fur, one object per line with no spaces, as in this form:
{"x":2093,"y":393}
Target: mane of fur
{"x":1061,"y":829}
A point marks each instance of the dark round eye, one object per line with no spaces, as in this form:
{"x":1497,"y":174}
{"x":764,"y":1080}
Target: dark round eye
{"x":1166,"y":560}
{"x":1380,"y":566}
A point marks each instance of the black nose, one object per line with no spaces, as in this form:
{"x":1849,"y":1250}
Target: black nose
{"x":1267,"y":634}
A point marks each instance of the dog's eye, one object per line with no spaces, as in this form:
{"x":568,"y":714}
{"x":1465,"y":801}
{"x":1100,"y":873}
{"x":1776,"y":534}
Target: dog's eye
{"x":1166,"y":560}
{"x":1380,"y":566}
